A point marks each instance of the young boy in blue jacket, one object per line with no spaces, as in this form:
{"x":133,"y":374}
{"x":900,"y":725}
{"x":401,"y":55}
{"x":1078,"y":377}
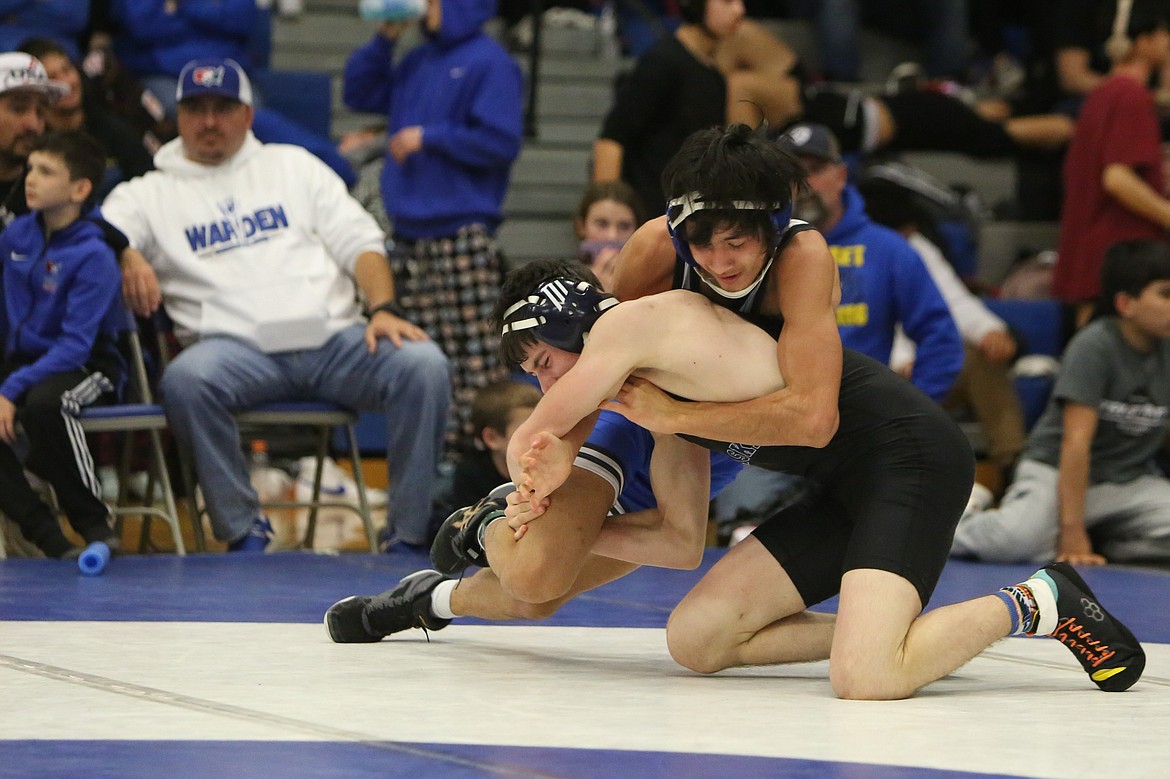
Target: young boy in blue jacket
{"x":60,"y":286}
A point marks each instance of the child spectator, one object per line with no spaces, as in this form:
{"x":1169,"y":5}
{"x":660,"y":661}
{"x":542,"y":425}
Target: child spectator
{"x":1089,"y":462}
{"x":497,"y":411}
{"x":60,"y":285}
{"x":607,"y":216}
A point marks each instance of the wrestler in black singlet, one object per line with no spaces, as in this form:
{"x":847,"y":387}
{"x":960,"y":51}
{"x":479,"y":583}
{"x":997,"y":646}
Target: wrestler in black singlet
{"x":890,"y":486}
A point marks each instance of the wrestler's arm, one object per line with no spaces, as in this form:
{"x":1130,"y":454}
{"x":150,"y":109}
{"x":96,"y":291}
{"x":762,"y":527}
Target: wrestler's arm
{"x":674,"y":534}
{"x":608,"y":358}
{"x":804,"y":413}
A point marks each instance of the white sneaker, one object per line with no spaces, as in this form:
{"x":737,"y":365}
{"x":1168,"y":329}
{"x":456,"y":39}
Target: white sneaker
{"x":337,"y":486}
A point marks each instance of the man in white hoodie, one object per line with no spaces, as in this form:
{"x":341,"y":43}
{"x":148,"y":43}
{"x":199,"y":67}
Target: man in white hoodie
{"x":256,"y":250}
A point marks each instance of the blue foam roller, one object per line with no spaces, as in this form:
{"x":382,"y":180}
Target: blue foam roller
{"x":93,"y":560}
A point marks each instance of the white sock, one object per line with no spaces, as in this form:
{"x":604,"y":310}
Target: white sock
{"x":441,"y":599}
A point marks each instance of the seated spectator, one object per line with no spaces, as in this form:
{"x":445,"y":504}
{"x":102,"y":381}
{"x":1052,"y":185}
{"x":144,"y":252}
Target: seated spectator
{"x":1087,"y":490}
{"x":258,"y":253}
{"x":25,"y":95}
{"x":1114,"y":186}
{"x":82,"y":107}
{"x":673,"y":91}
{"x":138,"y":105}
{"x":608,"y":214}
{"x":60,"y":351}
{"x":884,"y":283}
{"x":766,"y":80}
{"x":764,"y":75}
{"x":154,"y":39}
{"x":984,"y":385}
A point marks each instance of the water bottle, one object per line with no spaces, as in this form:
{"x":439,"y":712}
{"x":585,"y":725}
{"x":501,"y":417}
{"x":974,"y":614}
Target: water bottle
{"x":258,"y":467}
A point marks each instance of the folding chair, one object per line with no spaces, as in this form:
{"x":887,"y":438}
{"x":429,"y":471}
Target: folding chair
{"x":324,"y":417}
{"x":1039,"y":325}
{"x":321,"y":416}
{"x":128,"y":418}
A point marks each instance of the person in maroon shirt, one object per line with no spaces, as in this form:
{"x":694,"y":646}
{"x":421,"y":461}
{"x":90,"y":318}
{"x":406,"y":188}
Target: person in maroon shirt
{"x":1113,"y":180}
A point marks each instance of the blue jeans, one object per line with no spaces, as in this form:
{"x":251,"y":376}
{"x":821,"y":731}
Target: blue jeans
{"x":215,"y":377}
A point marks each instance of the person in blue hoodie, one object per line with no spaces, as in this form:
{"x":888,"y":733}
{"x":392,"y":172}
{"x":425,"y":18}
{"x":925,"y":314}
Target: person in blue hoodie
{"x":455,"y":128}
{"x":60,"y":285}
{"x":884,"y":285}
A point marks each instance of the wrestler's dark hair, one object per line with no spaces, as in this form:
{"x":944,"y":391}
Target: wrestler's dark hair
{"x":521,"y":282}
{"x":725,"y":165}
{"x":1129,"y":267}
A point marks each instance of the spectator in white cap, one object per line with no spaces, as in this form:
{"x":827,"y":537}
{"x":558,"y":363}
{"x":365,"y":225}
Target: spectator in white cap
{"x":25,"y":92}
{"x":259,"y":253}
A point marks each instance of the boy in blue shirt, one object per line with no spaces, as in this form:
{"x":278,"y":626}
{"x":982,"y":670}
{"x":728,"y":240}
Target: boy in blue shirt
{"x":59,"y":286}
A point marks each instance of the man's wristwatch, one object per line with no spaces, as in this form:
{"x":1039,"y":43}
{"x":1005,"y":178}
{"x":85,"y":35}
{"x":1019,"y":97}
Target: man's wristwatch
{"x":390,"y":307}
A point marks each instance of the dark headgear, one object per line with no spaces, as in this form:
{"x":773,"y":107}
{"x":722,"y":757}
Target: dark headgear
{"x":680,"y":208}
{"x":560,"y":313}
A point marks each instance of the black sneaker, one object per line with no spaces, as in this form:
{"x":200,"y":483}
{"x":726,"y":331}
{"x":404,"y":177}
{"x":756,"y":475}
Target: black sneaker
{"x":457,"y":543}
{"x":362,"y":619}
{"x":1106,"y":649}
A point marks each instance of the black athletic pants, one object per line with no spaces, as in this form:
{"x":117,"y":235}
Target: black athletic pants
{"x":59,"y":454}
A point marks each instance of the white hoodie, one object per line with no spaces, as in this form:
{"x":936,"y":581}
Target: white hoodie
{"x":261,"y":247}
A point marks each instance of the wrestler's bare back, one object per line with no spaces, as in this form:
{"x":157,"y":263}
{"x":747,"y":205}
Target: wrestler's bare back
{"x":692,"y":348}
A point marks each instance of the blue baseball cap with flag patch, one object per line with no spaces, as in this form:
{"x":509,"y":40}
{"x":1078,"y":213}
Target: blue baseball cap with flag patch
{"x":222,"y":77}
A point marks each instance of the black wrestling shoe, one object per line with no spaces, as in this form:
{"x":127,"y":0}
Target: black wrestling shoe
{"x":363,"y":619}
{"x":458,"y":544}
{"x":1106,"y":649}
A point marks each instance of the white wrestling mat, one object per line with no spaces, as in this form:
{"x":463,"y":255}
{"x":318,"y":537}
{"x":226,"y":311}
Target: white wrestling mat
{"x":1025,"y":707}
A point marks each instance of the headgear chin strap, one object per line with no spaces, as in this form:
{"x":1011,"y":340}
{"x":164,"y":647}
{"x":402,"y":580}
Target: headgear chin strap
{"x":681,"y":208}
{"x":560,"y":313}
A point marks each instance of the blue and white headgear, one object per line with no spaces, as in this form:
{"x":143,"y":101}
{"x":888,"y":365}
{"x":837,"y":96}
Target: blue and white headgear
{"x":681,"y":208}
{"x":560,"y":313}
